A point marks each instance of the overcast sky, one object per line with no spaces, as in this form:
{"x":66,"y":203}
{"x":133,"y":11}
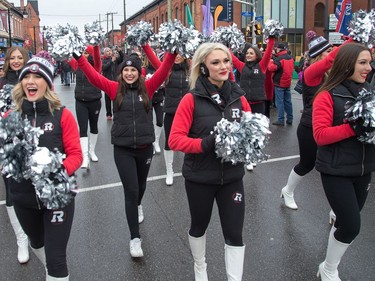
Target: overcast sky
{"x":80,"y":12}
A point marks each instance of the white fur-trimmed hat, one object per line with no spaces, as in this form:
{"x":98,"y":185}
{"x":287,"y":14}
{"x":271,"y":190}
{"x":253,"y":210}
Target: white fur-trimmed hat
{"x":40,"y":66}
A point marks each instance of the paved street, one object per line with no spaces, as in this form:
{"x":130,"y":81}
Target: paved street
{"x":281,"y":244}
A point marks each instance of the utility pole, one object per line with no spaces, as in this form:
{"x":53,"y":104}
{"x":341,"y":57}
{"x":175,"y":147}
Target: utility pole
{"x":252,"y":4}
{"x":169,"y":9}
{"x":107,"y":14}
{"x":9,"y":28}
{"x":125,"y":49}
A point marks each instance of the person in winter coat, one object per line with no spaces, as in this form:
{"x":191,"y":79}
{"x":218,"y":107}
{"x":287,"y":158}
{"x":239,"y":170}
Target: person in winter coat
{"x":88,"y":105}
{"x":212,"y":96}
{"x":282,"y":65}
{"x":110,"y":64}
{"x":175,"y":88}
{"x":47,"y":229}
{"x":253,"y":77}
{"x":345,"y":163}
{"x":132,"y":132}
{"x":317,"y":67}
{"x":14,"y":61}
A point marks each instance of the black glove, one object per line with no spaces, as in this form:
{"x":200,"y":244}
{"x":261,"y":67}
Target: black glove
{"x":208,"y":143}
{"x":77,"y":55}
{"x":359,"y":129}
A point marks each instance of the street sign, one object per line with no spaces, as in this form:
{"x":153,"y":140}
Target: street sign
{"x":259,"y":18}
{"x":247,"y":14}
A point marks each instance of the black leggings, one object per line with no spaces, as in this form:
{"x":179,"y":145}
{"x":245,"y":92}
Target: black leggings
{"x":346,"y":196}
{"x":168,"y":120}
{"x":88,"y":112}
{"x":133,"y":166}
{"x":230,"y":200}
{"x":51,"y":229}
{"x":108,"y":105}
{"x":8,"y":196}
{"x":307,"y":150}
{"x":158,"y":107}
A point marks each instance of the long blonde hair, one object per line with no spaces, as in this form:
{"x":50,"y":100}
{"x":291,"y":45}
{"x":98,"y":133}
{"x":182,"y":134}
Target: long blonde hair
{"x":19,"y":96}
{"x":200,"y":55}
{"x":8,"y":54}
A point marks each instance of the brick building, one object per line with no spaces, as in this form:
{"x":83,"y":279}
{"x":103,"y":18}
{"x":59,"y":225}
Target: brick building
{"x":297,"y":16}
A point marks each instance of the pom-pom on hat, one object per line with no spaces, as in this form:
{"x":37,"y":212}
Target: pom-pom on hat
{"x":134,"y":61}
{"x":39,"y":66}
{"x":318,"y":45}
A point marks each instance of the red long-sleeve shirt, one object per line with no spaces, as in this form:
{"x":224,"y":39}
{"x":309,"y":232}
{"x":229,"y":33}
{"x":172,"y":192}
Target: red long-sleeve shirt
{"x":324,"y":132}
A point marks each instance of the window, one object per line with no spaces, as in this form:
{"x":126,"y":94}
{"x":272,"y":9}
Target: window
{"x":319,"y":15}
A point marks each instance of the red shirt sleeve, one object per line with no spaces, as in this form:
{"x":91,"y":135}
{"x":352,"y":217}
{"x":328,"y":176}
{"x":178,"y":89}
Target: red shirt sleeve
{"x":324,"y":132}
{"x":73,"y":64}
{"x":97,"y":59}
{"x":178,"y":138}
{"x":237,"y":63}
{"x":267,"y":55}
{"x":160,"y":74}
{"x":152,"y":57}
{"x":98,"y":80}
{"x":71,"y":143}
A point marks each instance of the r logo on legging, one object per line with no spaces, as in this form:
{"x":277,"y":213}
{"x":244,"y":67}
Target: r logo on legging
{"x":57,"y":217}
{"x":237,"y":198}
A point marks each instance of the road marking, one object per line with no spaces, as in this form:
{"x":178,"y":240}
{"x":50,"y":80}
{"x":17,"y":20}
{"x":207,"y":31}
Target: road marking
{"x":155,"y":178}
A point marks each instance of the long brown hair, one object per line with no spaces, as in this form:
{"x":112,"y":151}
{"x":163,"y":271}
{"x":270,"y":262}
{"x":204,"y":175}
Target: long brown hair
{"x":343,"y":65}
{"x":8,"y":54}
{"x":139,"y":85}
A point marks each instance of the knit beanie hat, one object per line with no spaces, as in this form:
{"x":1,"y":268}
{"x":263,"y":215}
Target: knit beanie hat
{"x":318,"y":45}
{"x":282,"y":45}
{"x":132,"y":60}
{"x":40,"y":66}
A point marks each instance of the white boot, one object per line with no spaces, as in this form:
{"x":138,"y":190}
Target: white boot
{"x":22,"y":239}
{"x":50,"y":278}
{"x":335,"y":250}
{"x":40,"y":254}
{"x":157,"y":138}
{"x":85,"y":152}
{"x":288,"y":191}
{"x":234,"y":259}
{"x":168,"y":157}
{"x":198,"y":250}
{"x":93,"y":140}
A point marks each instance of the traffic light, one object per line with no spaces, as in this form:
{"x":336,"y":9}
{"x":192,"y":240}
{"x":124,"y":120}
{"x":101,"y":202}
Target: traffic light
{"x":249,"y":31}
{"x":258,"y":29}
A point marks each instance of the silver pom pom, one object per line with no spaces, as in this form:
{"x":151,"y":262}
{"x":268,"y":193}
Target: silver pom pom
{"x":361,"y":27}
{"x":242,"y":142}
{"x":139,"y":34}
{"x":6,"y":100}
{"x":230,"y":36}
{"x":52,"y":184}
{"x":94,"y":33}
{"x":363,"y":108}
{"x":18,"y":140}
{"x":63,"y":41}
{"x":174,"y":37}
{"x":273,"y":28}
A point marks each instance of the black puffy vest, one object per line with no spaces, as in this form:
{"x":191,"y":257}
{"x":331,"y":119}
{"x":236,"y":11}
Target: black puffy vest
{"x":132,"y":124}
{"x":252,"y":82}
{"x":348,"y":157}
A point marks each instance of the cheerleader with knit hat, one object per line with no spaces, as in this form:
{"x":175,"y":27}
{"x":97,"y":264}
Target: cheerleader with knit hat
{"x":321,"y":55}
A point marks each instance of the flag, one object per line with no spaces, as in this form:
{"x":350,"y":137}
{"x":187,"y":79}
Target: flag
{"x":188,"y":16}
{"x":343,"y":14}
{"x":208,"y":21}
{"x":219,"y":8}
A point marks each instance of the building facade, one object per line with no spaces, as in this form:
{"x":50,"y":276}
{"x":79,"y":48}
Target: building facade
{"x":297,"y":16}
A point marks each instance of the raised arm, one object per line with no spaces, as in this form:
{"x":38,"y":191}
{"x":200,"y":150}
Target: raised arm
{"x":161,"y":74}
{"x":152,"y":57}
{"x":267,"y":55}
